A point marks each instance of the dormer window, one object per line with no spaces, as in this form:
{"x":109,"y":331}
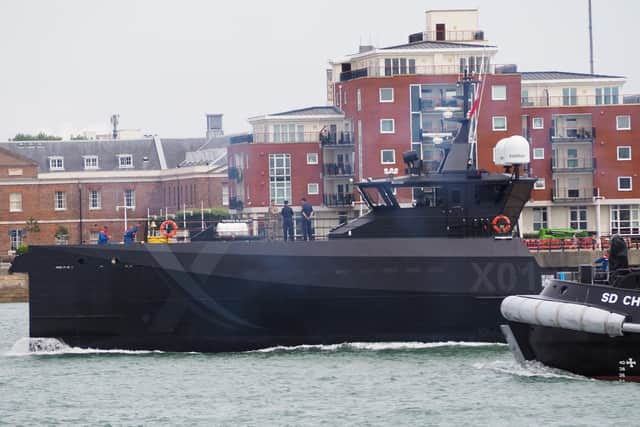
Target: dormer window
{"x":56,"y":163}
{"x":90,"y":162}
{"x":125,"y":161}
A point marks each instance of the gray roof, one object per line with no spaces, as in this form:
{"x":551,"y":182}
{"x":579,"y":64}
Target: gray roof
{"x":211,"y":157}
{"x":435,"y":45}
{"x":311,"y":111}
{"x":175,"y":149}
{"x":562,"y":75}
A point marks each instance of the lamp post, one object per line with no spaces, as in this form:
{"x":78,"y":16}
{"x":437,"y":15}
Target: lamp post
{"x":125,"y":207}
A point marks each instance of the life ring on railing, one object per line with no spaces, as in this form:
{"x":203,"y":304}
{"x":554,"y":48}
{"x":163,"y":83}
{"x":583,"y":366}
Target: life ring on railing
{"x":174,"y":228}
{"x":501,"y":224}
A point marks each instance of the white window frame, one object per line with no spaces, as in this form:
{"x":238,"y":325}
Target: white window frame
{"x":90,"y":159}
{"x":543,"y":220}
{"x":359,"y":99}
{"x":98,"y":200}
{"x":130,"y":198}
{"x":15,"y":202}
{"x":537,"y":155}
{"x":56,"y":163}
{"x":225,"y":194}
{"x":628,"y":127}
{"x":537,"y":123}
{"x":539,"y":184}
{"x":618,"y":153}
{"x":385,"y":150}
{"x":493,"y":124}
{"x":280,"y":177}
{"x":310,"y":188}
{"x":310,"y":160}
{"x":122,"y":163}
{"x":630,"y":183}
{"x":581,"y":224}
{"x":381,"y":99}
{"x":393,"y":125}
{"x":60,"y":203}
{"x":495,"y":95}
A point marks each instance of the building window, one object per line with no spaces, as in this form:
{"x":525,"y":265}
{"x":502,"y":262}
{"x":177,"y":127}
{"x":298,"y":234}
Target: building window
{"x":538,"y":123}
{"x":14,"y":171}
{"x":60,"y":201}
{"x":572,"y":158}
{"x":524,"y":98}
{"x":624,"y":183}
{"x":15,"y":202}
{"x":387,"y":126}
{"x":386,"y":94}
{"x":56,"y":163}
{"x":130,"y":198}
{"x":498,"y":92}
{"x":91,"y":162}
{"x":625,"y":219}
{"x":607,"y":95}
{"x":312,"y":158}
{"x":540,"y":219}
{"x":624,"y":152}
{"x":313,"y":188}
{"x":125,"y":161}
{"x":395,"y":66}
{"x":499,"y":123}
{"x":578,"y":217}
{"x":569,"y":96}
{"x":288,"y":132}
{"x":359,"y":99}
{"x":538,"y":153}
{"x":15,"y":236}
{"x":225,"y":194}
{"x":95,"y":201}
{"x":280,"y":177}
{"x":387,"y":157}
{"x":623,"y":122}
{"x":539,"y":184}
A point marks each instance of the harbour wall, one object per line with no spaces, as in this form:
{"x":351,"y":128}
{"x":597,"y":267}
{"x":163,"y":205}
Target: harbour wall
{"x":15,"y":287}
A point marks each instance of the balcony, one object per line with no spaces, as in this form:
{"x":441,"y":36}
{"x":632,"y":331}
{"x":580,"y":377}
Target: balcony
{"x":353,"y":74}
{"x":582,"y":134}
{"x":382,"y":71}
{"x":335,"y":139}
{"x":573,"y":164}
{"x":334,"y":200}
{"x":567,"y":194}
{"x":295,"y":137}
{"x":338,"y":170}
{"x":579,"y":100}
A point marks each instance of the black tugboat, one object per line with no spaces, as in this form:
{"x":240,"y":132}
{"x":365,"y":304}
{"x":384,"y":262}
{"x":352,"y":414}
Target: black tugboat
{"x":433,"y":270}
{"x":590,"y":326}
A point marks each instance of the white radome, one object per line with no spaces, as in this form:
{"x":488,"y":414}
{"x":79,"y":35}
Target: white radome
{"x":513,"y":150}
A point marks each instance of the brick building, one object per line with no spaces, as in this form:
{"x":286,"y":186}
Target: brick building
{"x":394,"y":99}
{"x":83,"y":185}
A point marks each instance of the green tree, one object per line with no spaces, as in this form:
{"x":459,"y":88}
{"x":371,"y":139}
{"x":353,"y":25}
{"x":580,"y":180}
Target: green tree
{"x":39,"y":137}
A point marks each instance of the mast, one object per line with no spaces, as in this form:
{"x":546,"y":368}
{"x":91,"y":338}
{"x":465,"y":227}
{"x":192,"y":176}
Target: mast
{"x":590,"y":40}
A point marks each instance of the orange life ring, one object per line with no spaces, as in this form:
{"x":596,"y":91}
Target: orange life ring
{"x":163,"y":228}
{"x":501,"y":224}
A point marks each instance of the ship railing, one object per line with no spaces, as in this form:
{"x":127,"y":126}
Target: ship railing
{"x":576,"y":244}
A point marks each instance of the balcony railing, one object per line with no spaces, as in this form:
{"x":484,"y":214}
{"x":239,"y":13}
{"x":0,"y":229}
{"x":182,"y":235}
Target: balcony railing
{"x":562,"y":194}
{"x":328,"y":139}
{"x":338,"y":169}
{"x":301,"y":137}
{"x":332,"y":200}
{"x":450,"y":36}
{"x":571,"y":101}
{"x":378,"y":71}
{"x":573,"y":164}
{"x":586,"y":134}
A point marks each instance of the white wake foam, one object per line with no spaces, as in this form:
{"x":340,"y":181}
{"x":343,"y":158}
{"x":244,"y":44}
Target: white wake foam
{"x":378,"y":346}
{"x":529,"y":369}
{"x":52,"y":346}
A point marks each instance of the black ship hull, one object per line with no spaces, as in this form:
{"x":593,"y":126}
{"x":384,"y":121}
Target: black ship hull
{"x":603,"y":346}
{"x":236,"y":296}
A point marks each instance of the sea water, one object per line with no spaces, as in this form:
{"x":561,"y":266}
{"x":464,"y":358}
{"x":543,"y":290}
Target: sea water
{"x":368,"y":384}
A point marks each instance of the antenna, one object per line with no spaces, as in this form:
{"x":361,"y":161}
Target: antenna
{"x":115,"y":118}
{"x":590,"y":40}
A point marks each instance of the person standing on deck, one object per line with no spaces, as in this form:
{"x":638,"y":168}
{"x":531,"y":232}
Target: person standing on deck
{"x":130,"y":235}
{"x":287,"y":221}
{"x":307,"y":214}
{"x":103,"y":236}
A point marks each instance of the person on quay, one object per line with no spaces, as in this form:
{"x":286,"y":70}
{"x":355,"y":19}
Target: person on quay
{"x":287,"y":221}
{"x":103,"y":236}
{"x":130,"y":235}
{"x":307,"y":215}
{"x":274,"y":212}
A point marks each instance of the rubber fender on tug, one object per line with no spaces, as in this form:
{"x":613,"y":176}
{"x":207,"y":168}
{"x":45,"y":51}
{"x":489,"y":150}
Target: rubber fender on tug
{"x":555,"y":314}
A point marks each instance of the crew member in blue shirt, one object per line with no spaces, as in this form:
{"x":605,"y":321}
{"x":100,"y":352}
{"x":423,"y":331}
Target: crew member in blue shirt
{"x":103,"y":237}
{"x":130,"y":235}
{"x":287,"y":221}
{"x":307,"y":214}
